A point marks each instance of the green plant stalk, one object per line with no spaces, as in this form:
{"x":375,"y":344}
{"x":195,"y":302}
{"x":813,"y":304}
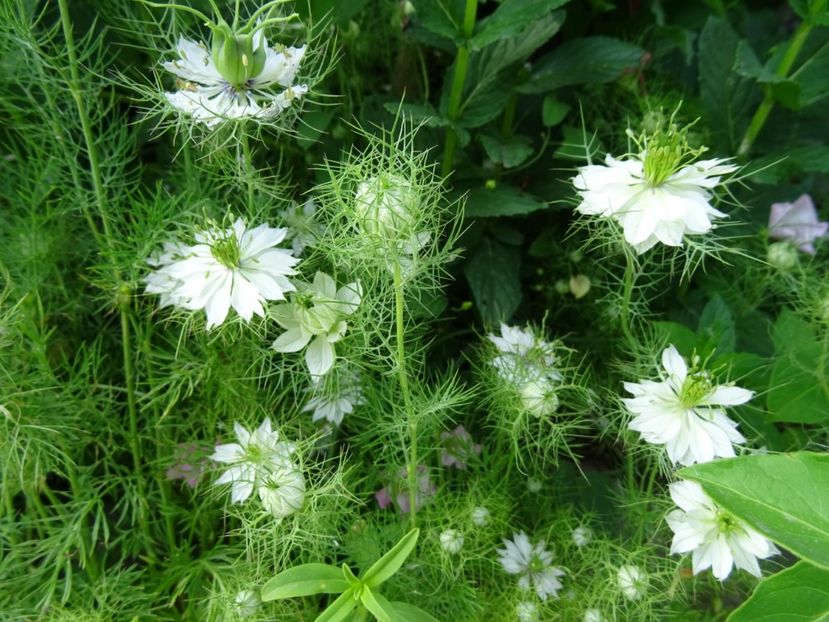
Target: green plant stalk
{"x":248,"y":172}
{"x":627,"y":294}
{"x":458,"y":80}
{"x":403,"y":379}
{"x":765,"y":107}
{"x":101,"y":201}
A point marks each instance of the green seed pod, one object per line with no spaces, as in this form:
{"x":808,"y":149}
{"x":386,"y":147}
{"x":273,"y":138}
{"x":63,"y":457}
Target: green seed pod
{"x":237,"y":57}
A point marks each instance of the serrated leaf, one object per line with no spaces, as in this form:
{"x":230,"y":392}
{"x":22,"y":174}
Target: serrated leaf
{"x":553,"y":111}
{"x":390,"y":563}
{"x":504,"y":200}
{"x":409,"y":613}
{"x":442,"y":18}
{"x":510,"y":151}
{"x":813,"y":77}
{"x":716,"y":327}
{"x":511,"y":18}
{"x":492,"y":272}
{"x":377,"y":605}
{"x":781,"y":496}
{"x":591,"y":60}
{"x":305,"y":580}
{"x":578,"y":144}
{"x":796,"y":594}
{"x":341,"y":608}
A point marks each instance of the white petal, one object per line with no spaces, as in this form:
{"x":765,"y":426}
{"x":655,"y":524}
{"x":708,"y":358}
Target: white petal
{"x":319,"y":356}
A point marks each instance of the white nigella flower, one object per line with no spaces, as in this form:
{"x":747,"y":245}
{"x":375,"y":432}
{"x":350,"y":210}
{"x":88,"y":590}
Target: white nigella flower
{"x":526,"y":611}
{"x":593,"y":615}
{"x":632,"y":581}
{"x":260,"y":461}
{"x":301,"y":224}
{"x":480,"y":516}
{"x":236,"y":267}
{"x":315,"y":318}
{"x":526,"y":361}
{"x":240,"y":76}
{"x":582,"y":536}
{"x":534,"y":565}
{"x":451,"y":541}
{"x":246,"y":603}
{"x":715,"y":538}
{"x":685,"y":412}
{"x":659,"y":195}
{"x":332,"y":400}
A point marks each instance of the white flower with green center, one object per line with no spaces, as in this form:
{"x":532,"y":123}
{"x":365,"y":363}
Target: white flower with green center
{"x":660,"y":195}
{"x":685,"y":412}
{"x":526,"y":611}
{"x":315,"y":318}
{"x":236,"y":267}
{"x":715,"y":538}
{"x":251,"y":458}
{"x":633,"y":582}
{"x":302,"y":226}
{"x":533,"y":564}
{"x":582,"y":536}
{"x":240,"y":76}
{"x":333,"y":397}
{"x":246,"y":603}
{"x":281,"y":487}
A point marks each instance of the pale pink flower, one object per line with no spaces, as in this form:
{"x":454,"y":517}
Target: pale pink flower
{"x":797,"y":222}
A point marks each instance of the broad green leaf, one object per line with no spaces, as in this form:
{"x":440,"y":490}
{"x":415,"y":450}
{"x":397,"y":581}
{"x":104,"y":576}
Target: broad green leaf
{"x":510,"y":151}
{"x":814,"y":11}
{"x":512,"y":18}
{"x":813,"y":77}
{"x":799,"y":385}
{"x":591,"y":60}
{"x":578,"y":144}
{"x":341,"y":608}
{"x":493,"y":274}
{"x":716,"y":328}
{"x":377,"y":604}
{"x":553,"y":111}
{"x":503,"y":200}
{"x":796,"y":594}
{"x":726,"y":96}
{"x":305,"y":580}
{"x":679,"y":335}
{"x":778,"y":167}
{"x":348,"y":574}
{"x":409,"y":613}
{"x":390,"y":563}
{"x":782,"y":496}
{"x":441,"y":18}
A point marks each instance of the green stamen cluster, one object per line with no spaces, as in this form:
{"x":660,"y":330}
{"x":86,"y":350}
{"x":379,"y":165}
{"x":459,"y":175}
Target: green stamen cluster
{"x":227,"y":252}
{"x":665,"y":151}
{"x":694,"y":389}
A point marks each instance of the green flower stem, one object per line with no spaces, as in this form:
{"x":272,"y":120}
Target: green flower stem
{"x":458,"y":80}
{"x":765,"y":107}
{"x":124,"y":307}
{"x":248,"y":172}
{"x":403,"y":378}
{"x":627,"y":294}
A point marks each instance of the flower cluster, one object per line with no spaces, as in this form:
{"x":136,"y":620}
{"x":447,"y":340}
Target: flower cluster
{"x":235,"y":267}
{"x":261,"y":462}
{"x":527,"y":363}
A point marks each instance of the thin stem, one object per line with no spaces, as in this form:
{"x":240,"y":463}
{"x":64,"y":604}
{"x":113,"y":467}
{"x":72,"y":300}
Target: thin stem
{"x":458,"y":80}
{"x":765,"y":107}
{"x":509,"y":116}
{"x":248,"y":172}
{"x":403,"y":378}
{"x":629,"y":282}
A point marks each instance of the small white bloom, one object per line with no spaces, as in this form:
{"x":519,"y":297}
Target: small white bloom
{"x":386,"y":205}
{"x":246,"y":603}
{"x":332,"y":400}
{"x":685,"y":412}
{"x":582,"y":536}
{"x":302,"y":227}
{"x":533,"y":563}
{"x":632,"y":581}
{"x":593,"y":615}
{"x":236,"y":267}
{"x":210,"y":94}
{"x":782,"y":255}
{"x":657,"y":196}
{"x":538,"y":396}
{"x":250,"y":458}
{"x":715,"y":538}
{"x":534,"y":485}
{"x":526,"y":611}
{"x":480,"y":516}
{"x":281,"y":487}
{"x":315,"y":319}
{"x":451,"y":541}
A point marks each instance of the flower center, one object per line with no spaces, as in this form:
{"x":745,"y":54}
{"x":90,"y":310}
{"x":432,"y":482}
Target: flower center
{"x":665,"y":151}
{"x":536,"y":564}
{"x":227,"y":252}
{"x":726,"y":523}
{"x":695,"y":388}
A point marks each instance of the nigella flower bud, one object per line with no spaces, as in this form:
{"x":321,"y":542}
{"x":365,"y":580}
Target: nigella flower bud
{"x":237,"y":57}
{"x":386,"y":205}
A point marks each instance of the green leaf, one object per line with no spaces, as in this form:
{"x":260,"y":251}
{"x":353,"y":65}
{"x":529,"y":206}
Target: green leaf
{"x":716,"y":327}
{"x":512,"y":18}
{"x":426,"y":114}
{"x":341,"y":608}
{"x":679,"y":335}
{"x":390,"y":563}
{"x":441,"y":18}
{"x":377,"y":604}
{"x":591,"y":60}
{"x":553,"y":111}
{"x":782,"y":496}
{"x":510,"y":151}
{"x":492,"y":272}
{"x":578,"y":144}
{"x":796,"y":594}
{"x":503,"y":200}
{"x":813,"y":77}
{"x":726,"y":95}
{"x":409,"y":613}
{"x":305,"y":580}
{"x":813,"y":11}
{"x":799,"y":384}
